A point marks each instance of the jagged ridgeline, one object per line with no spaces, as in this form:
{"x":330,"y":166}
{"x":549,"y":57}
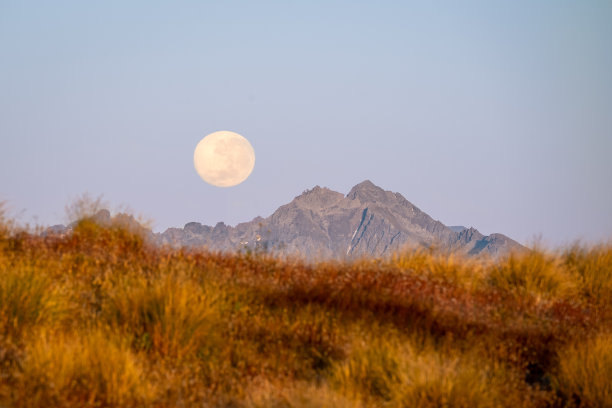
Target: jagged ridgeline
{"x":368,"y":221}
{"x":322,"y":224}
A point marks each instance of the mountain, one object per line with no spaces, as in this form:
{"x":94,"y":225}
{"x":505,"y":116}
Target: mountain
{"x":457,"y":228}
{"x":321,"y":223}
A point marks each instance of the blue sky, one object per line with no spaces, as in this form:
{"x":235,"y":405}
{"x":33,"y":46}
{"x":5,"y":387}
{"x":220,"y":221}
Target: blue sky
{"x":490,"y":114}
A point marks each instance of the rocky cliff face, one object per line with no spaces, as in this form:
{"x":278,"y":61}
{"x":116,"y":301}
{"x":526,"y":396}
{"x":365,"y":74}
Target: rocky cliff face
{"x":321,"y":223}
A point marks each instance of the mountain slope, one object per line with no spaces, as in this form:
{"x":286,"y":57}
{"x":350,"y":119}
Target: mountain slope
{"x":322,"y":223}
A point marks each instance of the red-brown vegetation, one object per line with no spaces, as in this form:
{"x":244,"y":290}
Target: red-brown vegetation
{"x":100,"y":317}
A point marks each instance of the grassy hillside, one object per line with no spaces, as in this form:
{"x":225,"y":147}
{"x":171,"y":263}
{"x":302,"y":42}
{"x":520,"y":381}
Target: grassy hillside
{"x":99,"y":318}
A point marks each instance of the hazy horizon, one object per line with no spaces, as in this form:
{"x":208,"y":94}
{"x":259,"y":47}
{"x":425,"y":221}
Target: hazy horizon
{"x":487,"y":114}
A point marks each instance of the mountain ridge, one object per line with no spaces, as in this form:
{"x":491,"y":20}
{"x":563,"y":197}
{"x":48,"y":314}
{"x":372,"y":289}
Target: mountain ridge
{"x":322,"y":223}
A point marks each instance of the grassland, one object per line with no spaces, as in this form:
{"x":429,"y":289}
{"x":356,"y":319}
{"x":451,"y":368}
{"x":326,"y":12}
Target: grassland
{"x":101,"y":318}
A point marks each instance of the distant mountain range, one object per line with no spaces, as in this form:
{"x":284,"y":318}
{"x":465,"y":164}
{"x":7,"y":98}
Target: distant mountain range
{"x":321,"y":223}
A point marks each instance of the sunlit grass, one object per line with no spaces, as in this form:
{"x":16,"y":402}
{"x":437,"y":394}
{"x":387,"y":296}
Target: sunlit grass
{"x":592,"y":269}
{"x":535,"y":272}
{"x":101,"y":317}
{"x":398,"y":372}
{"x":585,"y":370}
{"x":28,"y":298}
{"x":88,"y":369}
{"x":169,"y":315}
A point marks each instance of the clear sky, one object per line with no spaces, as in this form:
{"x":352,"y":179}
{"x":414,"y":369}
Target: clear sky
{"x":492,"y":114}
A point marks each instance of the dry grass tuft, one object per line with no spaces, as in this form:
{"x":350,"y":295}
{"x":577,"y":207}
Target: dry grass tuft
{"x":170,"y":315}
{"x":88,"y":369}
{"x":395,"y":373}
{"x":535,"y":273}
{"x":592,"y":268}
{"x":29,"y":299}
{"x":584,"y":372}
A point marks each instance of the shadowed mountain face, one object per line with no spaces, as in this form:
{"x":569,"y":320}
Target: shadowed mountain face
{"x":321,"y":223}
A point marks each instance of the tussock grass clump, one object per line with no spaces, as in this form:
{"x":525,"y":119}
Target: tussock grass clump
{"x":456,"y":269}
{"x":113,"y":243}
{"x":592,"y":267}
{"x":397,"y":374}
{"x":28,"y":299}
{"x":301,"y":344}
{"x":100,"y":317}
{"x":88,"y":369}
{"x":169,"y":315}
{"x":535,"y":273}
{"x":584,"y":372}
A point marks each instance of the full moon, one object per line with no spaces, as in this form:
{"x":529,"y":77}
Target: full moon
{"x":224,"y":159}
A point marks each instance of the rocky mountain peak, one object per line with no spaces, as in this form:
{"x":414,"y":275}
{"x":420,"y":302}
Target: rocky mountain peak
{"x":367,"y":191}
{"x":318,"y":197}
{"x":220,"y":228}
{"x":194,"y":227}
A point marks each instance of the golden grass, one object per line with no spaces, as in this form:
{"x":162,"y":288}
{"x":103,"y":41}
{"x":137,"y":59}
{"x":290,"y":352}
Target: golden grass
{"x":592,"y":269}
{"x":585,"y":370}
{"x":535,"y":273}
{"x":102,"y":318}
{"x":169,"y":315}
{"x":28,"y":299}
{"x":89,"y":368}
